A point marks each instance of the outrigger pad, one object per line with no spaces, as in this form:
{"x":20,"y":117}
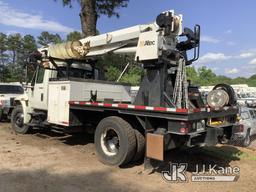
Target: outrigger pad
{"x":155,"y":146}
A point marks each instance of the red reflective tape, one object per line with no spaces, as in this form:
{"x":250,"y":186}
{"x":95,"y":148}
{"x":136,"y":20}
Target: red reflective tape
{"x":160,"y":109}
{"x":65,"y":122}
{"x":197,"y":110}
{"x":123,"y":105}
{"x":181,"y":110}
{"x":107,"y":105}
{"x":140,"y":107}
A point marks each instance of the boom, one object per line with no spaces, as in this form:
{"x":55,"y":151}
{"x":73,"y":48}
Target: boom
{"x":136,"y":39}
{"x":156,"y":46}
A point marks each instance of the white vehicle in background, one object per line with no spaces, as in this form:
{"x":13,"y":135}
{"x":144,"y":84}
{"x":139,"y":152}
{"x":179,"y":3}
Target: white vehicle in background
{"x":8,"y":93}
{"x":247,"y":126}
{"x":246,"y":99}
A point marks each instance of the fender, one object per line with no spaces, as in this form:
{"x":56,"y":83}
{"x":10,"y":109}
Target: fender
{"x":23,"y":100}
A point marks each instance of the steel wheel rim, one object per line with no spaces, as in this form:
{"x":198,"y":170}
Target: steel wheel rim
{"x":110,"y":142}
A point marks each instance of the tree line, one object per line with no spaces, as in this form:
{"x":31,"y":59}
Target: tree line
{"x":15,"y":50}
{"x":204,"y":76}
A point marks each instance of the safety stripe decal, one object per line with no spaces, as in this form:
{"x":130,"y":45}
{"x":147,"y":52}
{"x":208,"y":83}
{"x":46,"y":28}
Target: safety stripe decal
{"x":146,"y":108}
{"x":129,"y":106}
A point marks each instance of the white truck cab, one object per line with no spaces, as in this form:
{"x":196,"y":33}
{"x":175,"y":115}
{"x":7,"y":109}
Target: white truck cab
{"x":8,"y":92}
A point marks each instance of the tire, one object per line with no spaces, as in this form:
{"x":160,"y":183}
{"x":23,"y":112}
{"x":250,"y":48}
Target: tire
{"x":247,"y":140}
{"x":141,"y":142}
{"x":1,"y":115}
{"x":115,"y":141}
{"x":17,"y":121}
{"x":230,"y":91}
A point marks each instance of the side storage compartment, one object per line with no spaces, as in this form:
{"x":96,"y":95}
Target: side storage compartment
{"x":58,"y":106}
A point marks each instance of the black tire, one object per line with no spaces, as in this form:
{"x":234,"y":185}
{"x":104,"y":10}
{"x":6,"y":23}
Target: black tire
{"x":1,"y":115}
{"x":247,"y":140}
{"x":17,"y":121}
{"x":115,"y":141}
{"x":230,"y":91}
{"x":141,"y":142}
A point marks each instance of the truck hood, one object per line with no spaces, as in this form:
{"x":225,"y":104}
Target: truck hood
{"x":8,"y":96}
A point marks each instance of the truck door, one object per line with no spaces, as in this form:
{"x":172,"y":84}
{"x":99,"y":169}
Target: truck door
{"x":39,"y":93}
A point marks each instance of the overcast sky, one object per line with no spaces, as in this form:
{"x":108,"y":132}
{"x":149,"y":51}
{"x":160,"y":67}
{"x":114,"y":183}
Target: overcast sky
{"x":228,"y":26}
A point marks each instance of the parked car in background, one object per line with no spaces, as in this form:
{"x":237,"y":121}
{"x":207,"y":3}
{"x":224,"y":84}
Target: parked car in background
{"x":8,"y":92}
{"x":246,"y":99}
{"x":247,"y":126}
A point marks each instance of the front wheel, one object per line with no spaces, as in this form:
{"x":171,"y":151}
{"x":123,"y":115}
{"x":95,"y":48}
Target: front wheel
{"x":1,"y":115}
{"x":17,"y":121}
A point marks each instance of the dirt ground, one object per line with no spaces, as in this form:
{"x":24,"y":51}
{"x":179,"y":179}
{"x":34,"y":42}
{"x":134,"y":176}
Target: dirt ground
{"x":67,"y":163}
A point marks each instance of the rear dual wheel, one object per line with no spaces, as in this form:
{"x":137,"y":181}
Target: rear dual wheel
{"x":140,"y":146}
{"x":117,"y":143}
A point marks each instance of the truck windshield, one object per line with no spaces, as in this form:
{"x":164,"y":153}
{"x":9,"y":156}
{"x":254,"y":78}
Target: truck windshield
{"x":11,"y":89}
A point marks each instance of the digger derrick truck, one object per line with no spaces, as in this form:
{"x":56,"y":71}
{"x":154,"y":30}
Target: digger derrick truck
{"x":67,"y":93}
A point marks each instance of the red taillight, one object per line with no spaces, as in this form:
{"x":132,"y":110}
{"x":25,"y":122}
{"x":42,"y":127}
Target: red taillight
{"x":185,"y":126}
{"x":183,"y":130}
{"x":241,"y":128}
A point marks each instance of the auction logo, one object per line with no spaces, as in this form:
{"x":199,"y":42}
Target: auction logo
{"x":176,"y":173}
{"x":203,"y":173}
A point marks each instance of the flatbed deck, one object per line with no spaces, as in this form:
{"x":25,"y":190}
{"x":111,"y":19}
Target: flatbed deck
{"x":158,"y":112}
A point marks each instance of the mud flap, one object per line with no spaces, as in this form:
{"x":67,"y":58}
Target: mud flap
{"x":155,"y":146}
{"x":212,"y":135}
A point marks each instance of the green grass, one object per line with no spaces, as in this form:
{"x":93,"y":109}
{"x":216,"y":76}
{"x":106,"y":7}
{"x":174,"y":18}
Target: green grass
{"x":227,"y":153}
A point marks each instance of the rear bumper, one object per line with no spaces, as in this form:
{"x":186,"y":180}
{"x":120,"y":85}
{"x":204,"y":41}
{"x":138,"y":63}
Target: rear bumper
{"x":238,"y":136}
{"x":157,"y":143}
{"x":222,"y":135}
